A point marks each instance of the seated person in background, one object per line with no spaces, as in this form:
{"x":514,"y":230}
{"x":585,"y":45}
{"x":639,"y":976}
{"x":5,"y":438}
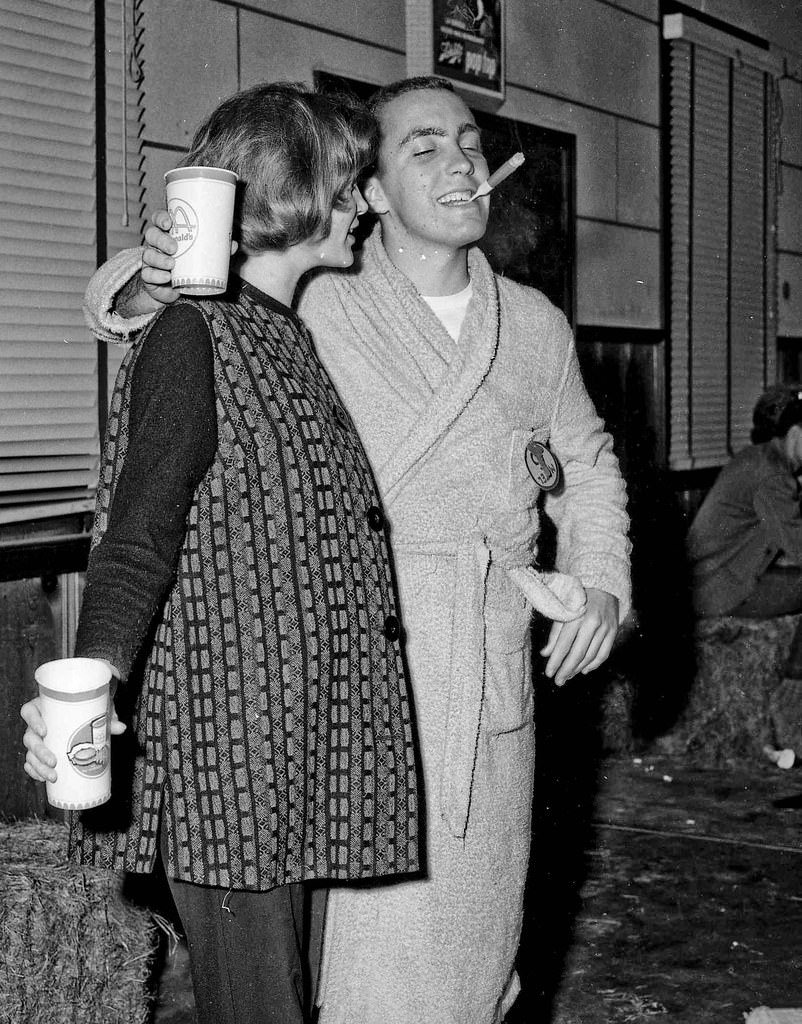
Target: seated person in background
{"x":745,"y":543}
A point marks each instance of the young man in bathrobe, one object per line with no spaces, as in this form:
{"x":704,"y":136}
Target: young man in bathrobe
{"x":466,"y":391}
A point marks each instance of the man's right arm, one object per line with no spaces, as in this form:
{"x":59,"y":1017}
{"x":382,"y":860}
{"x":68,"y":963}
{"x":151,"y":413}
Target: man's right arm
{"x":128,"y":290}
{"x":132,"y":299}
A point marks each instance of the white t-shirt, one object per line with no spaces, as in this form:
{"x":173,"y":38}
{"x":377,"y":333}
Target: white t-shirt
{"x":450,"y":309}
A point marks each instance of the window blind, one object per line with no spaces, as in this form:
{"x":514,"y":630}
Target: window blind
{"x":49,"y":245}
{"x":722,"y":216}
{"x":48,"y":392}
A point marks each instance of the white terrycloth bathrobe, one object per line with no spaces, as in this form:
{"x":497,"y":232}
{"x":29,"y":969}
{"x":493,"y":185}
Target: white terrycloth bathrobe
{"x":445,"y":426}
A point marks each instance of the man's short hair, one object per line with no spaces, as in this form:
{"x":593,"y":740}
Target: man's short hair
{"x":389,"y":92}
{"x":297,"y":155}
{"x":770,"y":417}
{"x":791,"y":416}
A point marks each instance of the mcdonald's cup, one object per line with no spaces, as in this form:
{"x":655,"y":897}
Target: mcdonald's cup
{"x":201,"y":202}
{"x":74,"y":701}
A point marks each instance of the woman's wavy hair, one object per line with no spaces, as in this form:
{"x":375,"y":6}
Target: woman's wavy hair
{"x":297,"y":155}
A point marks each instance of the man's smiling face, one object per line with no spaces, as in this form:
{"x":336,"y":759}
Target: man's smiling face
{"x":430,"y":163}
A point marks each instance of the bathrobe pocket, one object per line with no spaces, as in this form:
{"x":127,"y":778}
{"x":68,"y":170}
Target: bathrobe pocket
{"x":509,"y":698}
{"x":508,"y":655}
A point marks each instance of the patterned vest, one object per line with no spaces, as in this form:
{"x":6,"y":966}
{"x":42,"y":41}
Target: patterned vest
{"x":274,"y":725}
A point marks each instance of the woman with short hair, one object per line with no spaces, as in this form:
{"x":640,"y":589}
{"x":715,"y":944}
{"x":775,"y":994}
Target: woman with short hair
{"x":240,"y":565}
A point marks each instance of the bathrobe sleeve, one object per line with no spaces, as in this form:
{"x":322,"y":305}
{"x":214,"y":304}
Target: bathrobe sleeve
{"x":101,"y":292}
{"x":589,"y":509}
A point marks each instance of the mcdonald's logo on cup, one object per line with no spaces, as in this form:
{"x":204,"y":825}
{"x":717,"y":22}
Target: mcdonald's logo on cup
{"x":74,"y":701}
{"x":201,"y":202}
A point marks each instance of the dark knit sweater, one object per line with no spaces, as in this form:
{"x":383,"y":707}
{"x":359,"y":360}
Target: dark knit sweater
{"x":272,"y":723}
{"x":172,"y":441}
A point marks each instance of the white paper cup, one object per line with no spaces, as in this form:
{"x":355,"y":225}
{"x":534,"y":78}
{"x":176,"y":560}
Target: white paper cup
{"x":74,"y":702}
{"x":201,"y":202}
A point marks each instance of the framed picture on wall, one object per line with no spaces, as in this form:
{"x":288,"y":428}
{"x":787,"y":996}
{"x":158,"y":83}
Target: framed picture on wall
{"x":468,"y":44}
{"x":531,"y":229}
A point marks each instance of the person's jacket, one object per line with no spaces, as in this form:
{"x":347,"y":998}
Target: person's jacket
{"x":749,"y":519}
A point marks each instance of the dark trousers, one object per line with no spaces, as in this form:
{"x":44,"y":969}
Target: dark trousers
{"x":778,"y":592}
{"x":253,"y":955}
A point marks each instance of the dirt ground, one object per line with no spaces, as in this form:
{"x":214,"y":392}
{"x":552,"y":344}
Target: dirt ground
{"x":684,"y":904}
{"x":657,"y":891}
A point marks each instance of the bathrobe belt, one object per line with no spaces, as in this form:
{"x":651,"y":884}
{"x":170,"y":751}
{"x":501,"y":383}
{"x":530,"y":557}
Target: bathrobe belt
{"x":555,"y":595}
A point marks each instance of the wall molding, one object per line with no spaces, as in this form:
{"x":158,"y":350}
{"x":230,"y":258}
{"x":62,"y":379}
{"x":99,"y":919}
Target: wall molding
{"x":681,"y":26}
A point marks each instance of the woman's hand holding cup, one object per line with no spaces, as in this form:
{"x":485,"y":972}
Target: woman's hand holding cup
{"x":40,"y":761}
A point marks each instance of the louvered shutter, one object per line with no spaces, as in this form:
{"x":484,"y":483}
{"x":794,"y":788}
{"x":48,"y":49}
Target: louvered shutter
{"x":48,"y":388}
{"x":49,"y":443}
{"x":722,"y":216}
{"x":752,"y":258}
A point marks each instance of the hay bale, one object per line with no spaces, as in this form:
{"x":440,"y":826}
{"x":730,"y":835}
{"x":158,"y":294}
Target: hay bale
{"x":73,"y":948}
{"x":727,"y":719}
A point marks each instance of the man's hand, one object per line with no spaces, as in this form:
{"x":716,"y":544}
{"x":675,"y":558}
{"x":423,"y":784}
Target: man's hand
{"x":40,"y":761}
{"x":585,"y":643}
{"x":157,"y":259}
{"x":151,"y":289}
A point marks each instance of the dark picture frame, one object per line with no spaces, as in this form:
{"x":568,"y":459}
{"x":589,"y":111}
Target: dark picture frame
{"x":468,"y":44}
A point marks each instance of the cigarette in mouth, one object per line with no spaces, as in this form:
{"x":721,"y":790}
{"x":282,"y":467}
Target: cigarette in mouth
{"x":498,"y":176}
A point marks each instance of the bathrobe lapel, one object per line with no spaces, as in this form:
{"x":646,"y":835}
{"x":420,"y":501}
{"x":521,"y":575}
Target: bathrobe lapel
{"x":416,"y":359}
